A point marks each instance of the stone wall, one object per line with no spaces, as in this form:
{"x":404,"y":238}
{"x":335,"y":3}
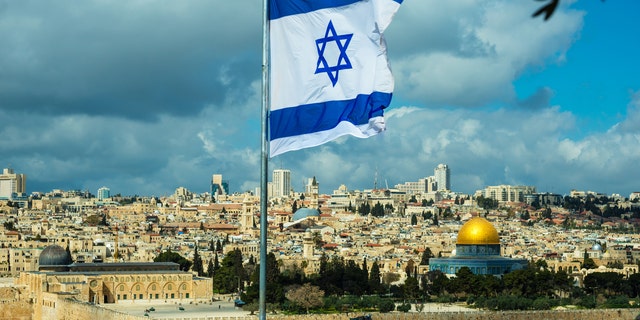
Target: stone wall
{"x":15,"y":310}
{"x":75,"y":310}
{"x":594,"y":314}
{"x":11,"y":307}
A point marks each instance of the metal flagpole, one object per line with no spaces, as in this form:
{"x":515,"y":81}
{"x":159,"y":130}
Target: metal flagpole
{"x":264,"y":161}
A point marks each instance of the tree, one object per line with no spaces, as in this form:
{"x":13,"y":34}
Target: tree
{"x":197,"y":263}
{"x":231,"y":275}
{"x":411,"y":288}
{"x":307,"y":296}
{"x":588,"y":263}
{"x":386,"y":305}
{"x":104,"y":222}
{"x":275,"y":288}
{"x":364,"y":209}
{"x":252,"y":307}
{"x":354,"y":279}
{"x":10,"y":226}
{"x":170,"y":256}
{"x":378,"y":210}
{"x":375,"y":287}
{"x":210,"y":268}
{"x":426,"y":255}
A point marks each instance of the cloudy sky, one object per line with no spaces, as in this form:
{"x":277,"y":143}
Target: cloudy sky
{"x":145,"y":96}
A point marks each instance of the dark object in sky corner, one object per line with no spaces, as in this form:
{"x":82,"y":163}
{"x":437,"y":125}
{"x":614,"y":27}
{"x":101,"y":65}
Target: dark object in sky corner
{"x":547,"y":9}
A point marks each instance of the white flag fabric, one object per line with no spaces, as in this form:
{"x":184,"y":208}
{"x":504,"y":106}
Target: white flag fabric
{"x":329,"y":72}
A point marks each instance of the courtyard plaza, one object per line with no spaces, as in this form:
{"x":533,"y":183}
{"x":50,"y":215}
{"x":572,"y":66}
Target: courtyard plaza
{"x":226,"y":308}
{"x":170,"y":310}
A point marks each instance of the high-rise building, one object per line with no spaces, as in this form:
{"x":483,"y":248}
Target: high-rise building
{"x":442,"y":175}
{"x":507,"y":193}
{"x":104,"y":193}
{"x":12,"y":184}
{"x":281,"y":182}
{"x":219,"y":186}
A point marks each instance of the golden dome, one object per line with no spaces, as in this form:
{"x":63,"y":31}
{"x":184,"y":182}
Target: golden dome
{"x":478,"y":231}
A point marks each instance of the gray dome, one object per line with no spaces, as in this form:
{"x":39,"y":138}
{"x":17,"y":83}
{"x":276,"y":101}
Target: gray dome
{"x":305,"y":212}
{"x":55,"y":255}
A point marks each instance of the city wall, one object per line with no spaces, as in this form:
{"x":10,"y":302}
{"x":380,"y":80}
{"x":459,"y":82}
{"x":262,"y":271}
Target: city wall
{"x":73,"y":310}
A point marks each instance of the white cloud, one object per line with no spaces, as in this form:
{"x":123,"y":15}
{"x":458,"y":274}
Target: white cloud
{"x":144,"y":107}
{"x":491,"y":43}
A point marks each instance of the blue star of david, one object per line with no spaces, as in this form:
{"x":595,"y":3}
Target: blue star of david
{"x":342,"y":42}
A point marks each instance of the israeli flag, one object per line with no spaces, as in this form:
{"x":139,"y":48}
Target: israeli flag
{"x":329,"y":70}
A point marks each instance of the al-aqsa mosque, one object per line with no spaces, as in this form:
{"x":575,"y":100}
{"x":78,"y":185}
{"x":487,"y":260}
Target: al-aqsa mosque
{"x":478,"y":248}
{"x":58,"y":277}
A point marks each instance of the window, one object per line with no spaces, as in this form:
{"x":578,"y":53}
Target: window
{"x":169,"y":286}
{"x":124,"y":297}
{"x":138,"y":287}
{"x":187,"y":295}
{"x":153,"y":286}
{"x":173,"y":295}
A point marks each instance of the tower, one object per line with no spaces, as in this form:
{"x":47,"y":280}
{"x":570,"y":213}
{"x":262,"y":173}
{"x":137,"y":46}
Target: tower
{"x":442,"y":174}
{"x":312,"y":192}
{"x":281,"y":182}
{"x":11,"y":183}
{"x":247,"y":222}
{"x":307,"y":245}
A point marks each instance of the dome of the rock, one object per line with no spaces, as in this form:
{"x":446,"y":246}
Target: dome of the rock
{"x":478,"y":231}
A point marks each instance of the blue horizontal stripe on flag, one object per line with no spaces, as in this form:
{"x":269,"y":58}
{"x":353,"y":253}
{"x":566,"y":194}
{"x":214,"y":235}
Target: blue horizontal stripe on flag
{"x":283,"y":8}
{"x":326,"y":115}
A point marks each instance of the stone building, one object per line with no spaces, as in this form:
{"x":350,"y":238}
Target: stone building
{"x":103,"y":283}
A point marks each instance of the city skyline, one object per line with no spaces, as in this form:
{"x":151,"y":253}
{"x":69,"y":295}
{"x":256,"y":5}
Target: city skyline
{"x":143,"y":98}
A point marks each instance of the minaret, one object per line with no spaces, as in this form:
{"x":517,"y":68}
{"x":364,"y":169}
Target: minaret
{"x":307,"y":245}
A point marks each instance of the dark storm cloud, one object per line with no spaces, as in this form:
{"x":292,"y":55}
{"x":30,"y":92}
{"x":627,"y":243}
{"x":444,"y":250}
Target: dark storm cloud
{"x":125,"y":59}
{"x":540,"y":99}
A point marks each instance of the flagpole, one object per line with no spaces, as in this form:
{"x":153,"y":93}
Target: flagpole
{"x":264,"y":162}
